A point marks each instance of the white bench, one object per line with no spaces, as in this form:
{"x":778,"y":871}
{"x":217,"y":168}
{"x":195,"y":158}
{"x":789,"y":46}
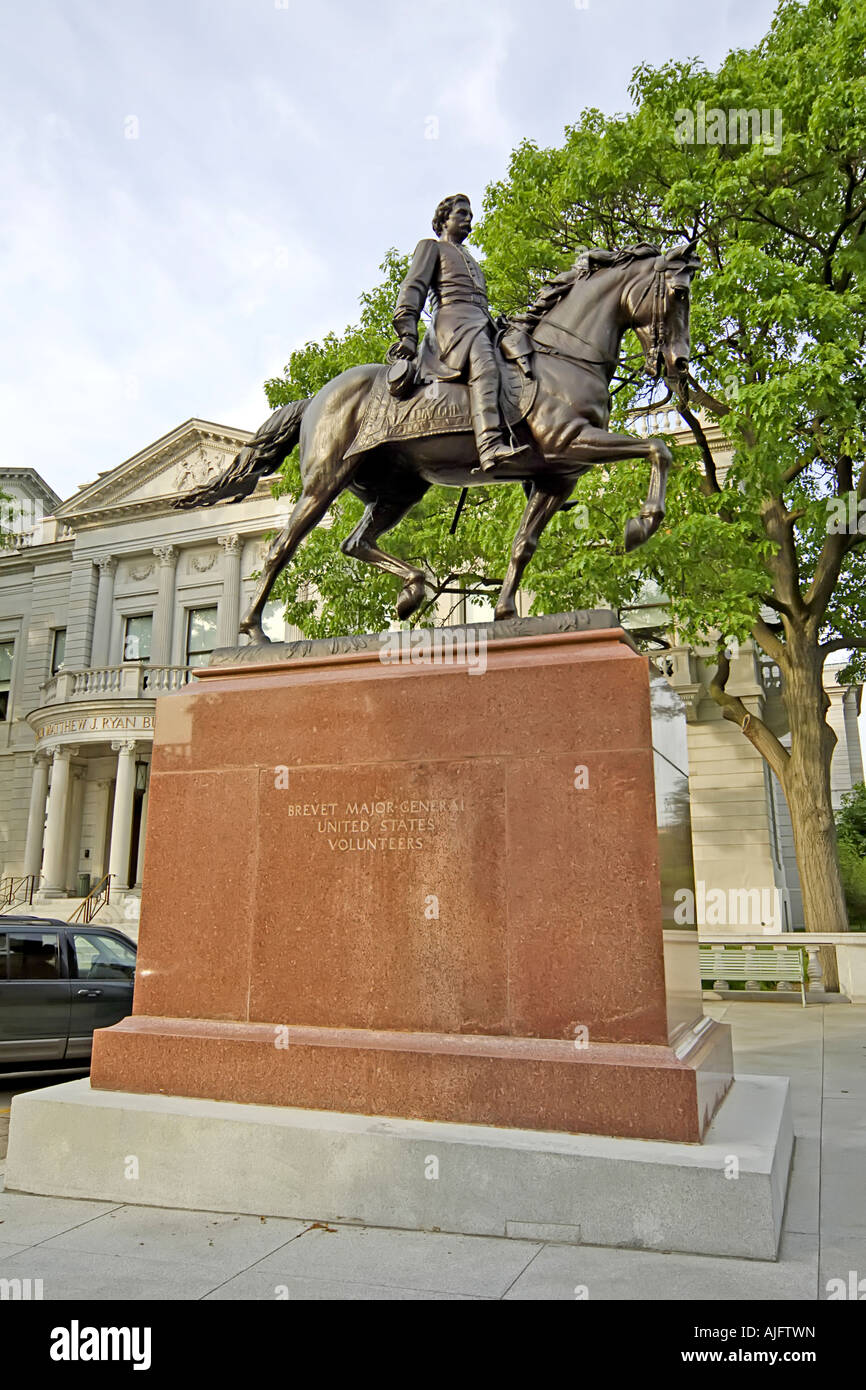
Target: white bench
{"x":752,"y":963}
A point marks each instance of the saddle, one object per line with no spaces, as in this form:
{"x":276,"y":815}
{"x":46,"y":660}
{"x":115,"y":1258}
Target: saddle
{"x":435,"y":407}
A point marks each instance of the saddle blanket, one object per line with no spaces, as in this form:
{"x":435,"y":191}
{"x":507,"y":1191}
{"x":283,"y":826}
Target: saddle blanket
{"x":437,"y":407}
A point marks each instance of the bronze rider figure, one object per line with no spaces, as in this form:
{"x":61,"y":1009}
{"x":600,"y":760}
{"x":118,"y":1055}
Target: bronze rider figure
{"x":464,"y":332}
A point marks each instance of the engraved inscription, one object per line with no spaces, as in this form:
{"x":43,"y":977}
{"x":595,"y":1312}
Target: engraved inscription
{"x":378,"y":825}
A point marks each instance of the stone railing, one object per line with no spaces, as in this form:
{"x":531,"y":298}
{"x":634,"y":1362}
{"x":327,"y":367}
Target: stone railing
{"x":665,"y":421}
{"x":159,"y":678}
{"x":99,"y":680}
{"x":133,"y":680}
{"x":22,"y":538}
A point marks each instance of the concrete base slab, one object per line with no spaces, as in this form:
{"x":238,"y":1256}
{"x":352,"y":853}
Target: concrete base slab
{"x":725,"y":1196}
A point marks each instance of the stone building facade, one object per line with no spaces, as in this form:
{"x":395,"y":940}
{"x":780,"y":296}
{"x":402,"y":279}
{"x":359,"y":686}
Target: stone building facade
{"x":106,"y":600}
{"x":111,"y":597}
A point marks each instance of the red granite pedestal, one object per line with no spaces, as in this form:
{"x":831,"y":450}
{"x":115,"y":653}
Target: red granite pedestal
{"x":413,"y":889}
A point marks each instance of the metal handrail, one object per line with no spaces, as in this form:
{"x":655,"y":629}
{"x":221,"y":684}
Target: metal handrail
{"x":96,"y":898}
{"x":14,"y":892}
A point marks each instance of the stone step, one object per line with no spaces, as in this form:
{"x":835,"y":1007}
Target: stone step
{"x":121,"y":912}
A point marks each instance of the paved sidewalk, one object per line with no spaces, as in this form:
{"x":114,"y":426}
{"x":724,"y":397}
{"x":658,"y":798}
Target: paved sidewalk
{"x":93,"y":1250}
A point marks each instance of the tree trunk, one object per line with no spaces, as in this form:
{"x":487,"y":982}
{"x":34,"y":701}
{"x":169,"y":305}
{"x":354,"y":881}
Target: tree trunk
{"x":806,"y":784}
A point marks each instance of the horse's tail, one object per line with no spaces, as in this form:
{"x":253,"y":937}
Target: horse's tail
{"x":262,"y":456}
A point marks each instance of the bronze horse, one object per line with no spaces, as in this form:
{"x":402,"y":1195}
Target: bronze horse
{"x":577,"y":326}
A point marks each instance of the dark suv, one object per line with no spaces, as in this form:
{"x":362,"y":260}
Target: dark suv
{"x":59,"y":981}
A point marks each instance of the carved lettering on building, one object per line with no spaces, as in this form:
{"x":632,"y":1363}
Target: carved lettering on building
{"x":94,"y":723}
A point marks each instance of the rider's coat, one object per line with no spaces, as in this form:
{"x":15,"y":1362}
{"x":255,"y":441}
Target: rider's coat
{"x":458,"y":298}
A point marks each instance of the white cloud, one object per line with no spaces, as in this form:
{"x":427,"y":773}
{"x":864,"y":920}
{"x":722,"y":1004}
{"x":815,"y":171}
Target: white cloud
{"x":280,"y":152}
{"x":473,"y":102}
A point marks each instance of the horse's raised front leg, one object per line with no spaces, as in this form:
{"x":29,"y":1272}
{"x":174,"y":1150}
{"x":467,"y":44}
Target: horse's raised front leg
{"x":602,"y":447}
{"x":379,"y":517}
{"x":544,"y":502}
{"x":639,"y":528}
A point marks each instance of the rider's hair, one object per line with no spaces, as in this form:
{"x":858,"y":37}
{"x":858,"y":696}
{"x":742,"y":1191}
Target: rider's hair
{"x":443,"y":211}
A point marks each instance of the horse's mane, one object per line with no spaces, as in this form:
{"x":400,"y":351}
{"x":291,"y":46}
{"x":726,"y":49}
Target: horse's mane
{"x":586,"y":264}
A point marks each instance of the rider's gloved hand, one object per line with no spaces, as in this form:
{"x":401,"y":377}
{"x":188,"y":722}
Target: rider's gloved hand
{"x":407,"y":347}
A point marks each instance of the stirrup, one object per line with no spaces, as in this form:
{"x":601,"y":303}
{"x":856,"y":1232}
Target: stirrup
{"x":503,"y":452}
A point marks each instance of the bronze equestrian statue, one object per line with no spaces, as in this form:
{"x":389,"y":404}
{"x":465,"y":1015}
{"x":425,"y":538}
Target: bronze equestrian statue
{"x":354,"y":434}
{"x":463,"y":331}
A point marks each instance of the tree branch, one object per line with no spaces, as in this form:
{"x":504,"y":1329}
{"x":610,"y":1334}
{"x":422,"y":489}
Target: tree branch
{"x":717,"y":407}
{"x":705,"y":400}
{"x":827,"y":571}
{"x":751,"y":725}
{"x":841,"y":644}
{"x":771,"y":644}
{"x":710,"y":483}
{"x":784,"y":566}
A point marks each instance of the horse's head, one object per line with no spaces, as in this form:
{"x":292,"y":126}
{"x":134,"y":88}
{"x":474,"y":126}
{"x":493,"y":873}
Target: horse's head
{"x":657,"y":305}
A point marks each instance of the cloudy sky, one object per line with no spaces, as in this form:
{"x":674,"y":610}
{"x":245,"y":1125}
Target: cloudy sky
{"x":193,"y":188}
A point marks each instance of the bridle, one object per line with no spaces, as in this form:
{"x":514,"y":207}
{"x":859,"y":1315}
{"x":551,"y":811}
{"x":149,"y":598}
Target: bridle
{"x":658,"y":337}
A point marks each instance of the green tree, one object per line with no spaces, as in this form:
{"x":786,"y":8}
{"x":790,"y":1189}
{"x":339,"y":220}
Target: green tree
{"x":772,"y":547}
{"x":851,"y":828}
{"x":767,"y":548}
{"x":851,"y":819}
{"x":7,"y":516}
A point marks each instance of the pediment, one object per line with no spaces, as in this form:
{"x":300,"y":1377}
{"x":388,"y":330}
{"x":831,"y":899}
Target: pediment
{"x":150,"y":481}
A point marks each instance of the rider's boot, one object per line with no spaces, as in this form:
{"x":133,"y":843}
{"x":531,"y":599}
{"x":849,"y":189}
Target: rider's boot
{"x":494,"y":455}
{"x":486,"y":421}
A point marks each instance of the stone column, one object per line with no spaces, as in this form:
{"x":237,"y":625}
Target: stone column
{"x":139,"y":873}
{"x":100,"y":867}
{"x":230,"y":603}
{"x":107,"y":565}
{"x":73,"y":828}
{"x":121,"y":824}
{"x":163,"y":618}
{"x":36,"y":817}
{"x":55,"y":848}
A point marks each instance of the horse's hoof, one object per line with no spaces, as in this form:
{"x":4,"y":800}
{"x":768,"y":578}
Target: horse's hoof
{"x":639,"y":529}
{"x":635,"y":534}
{"x":256,"y":634}
{"x":410,"y":600}
{"x":504,"y":611}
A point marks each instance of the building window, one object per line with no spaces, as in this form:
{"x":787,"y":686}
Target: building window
{"x":201,"y":627}
{"x":6,"y":650}
{"x":58,"y":649}
{"x":137,"y":631}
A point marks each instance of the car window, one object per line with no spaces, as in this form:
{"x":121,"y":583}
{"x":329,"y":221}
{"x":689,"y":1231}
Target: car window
{"x":102,"y":957}
{"x":4,"y":954}
{"x":33,"y":955}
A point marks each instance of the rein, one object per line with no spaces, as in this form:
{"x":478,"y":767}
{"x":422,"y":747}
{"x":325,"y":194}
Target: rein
{"x":657,"y":285}
{"x":569,"y":357}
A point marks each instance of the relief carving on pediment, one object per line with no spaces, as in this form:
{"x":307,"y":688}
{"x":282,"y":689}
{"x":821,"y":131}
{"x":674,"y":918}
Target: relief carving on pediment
{"x":198,"y":467}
